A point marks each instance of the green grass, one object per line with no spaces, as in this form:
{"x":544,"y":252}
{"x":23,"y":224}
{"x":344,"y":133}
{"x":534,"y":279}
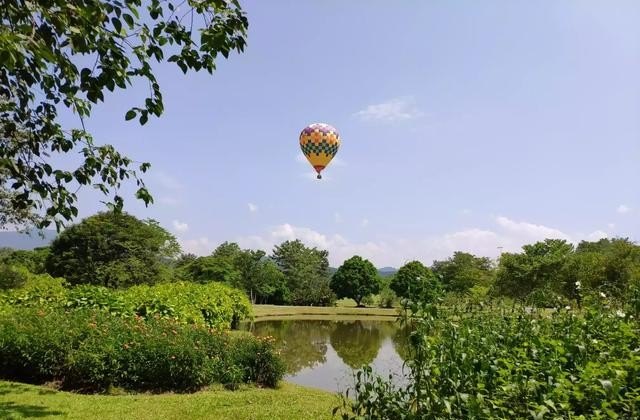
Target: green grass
{"x":262,"y":312}
{"x":18,"y":401}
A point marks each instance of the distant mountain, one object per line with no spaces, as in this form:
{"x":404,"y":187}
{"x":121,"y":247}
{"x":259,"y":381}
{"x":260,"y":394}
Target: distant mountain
{"x":387,"y":271}
{"x":17,"y":240}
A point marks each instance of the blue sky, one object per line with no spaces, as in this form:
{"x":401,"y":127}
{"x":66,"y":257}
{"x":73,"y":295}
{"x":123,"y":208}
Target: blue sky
{"x":465,"y":125}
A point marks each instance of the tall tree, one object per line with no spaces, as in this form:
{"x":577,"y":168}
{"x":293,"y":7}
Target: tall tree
{"x":306,"y":272}
{"x":356,"y":278}
{"x":463,"y":271}
{"x":113,"y":250}
{"x":67,"y":54}
{"x":415,"y":281}
{"x":538,"y":267}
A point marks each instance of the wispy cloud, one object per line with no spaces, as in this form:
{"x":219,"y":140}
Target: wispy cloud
{"x":622,"y":209}
{"x":166,"y":181}
{"x":179,"y":226}
{"x":397,"y":109}
{"x":198,"y":246}
{"x":364,"y":222}
{"x":252,"y":207}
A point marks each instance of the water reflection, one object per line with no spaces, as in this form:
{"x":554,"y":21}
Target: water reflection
{"x":324,"y":353}
{"x":356,"y":343}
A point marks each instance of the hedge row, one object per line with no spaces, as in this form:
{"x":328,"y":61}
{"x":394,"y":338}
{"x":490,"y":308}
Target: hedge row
{"x":213,"y":305}
{"x":91,"y":351}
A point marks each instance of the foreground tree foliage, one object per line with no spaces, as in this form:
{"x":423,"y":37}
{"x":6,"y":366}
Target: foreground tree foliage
{"x":356,"y":278}
{"x":114,"y":250}
{"x":64,"y":55}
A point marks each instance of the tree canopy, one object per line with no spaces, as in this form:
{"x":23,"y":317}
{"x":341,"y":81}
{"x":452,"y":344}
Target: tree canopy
{"x":112,"y":249}
{"x":306,"y":273}
{"x":66,"y":55}
{"x":356,"y":278}
{"x":415,"y":281}
{"x":463,"y":271}
{"x":536,"y":268}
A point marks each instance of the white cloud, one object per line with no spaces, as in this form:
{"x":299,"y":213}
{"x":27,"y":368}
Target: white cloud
{"x":364,"y":222}
{"x":622,"y":209}
{"x":198,"y":246}
{"x":597,"y":235}
{"x":611,"y":225}
{"x":506,"y":236}
{"x":180,"y":227}
{"x":252,"y":208}
{"x":465,"y":212}
{"x":397,"y":109}
{"x":530,"y":231}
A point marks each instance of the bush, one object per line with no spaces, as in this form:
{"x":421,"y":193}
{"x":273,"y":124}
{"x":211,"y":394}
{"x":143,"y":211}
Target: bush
{"x":37,"y":290}
{"x":213,"y":305}
{"x":387,"y":298}
{"x":90,"y":350}
{"x":509,"y":364}
{"x":12,"y":277}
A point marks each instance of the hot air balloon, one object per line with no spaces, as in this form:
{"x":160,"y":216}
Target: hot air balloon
{"x":319,"y":143}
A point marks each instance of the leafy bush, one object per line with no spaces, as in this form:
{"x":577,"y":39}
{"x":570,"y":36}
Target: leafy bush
{"x":213,"y":305}
{"x":387,"y":298}
{"x":509,"y":364}
{"x":37,"y":290}
{"x":12,"y":277}
{"x":90,"y":350}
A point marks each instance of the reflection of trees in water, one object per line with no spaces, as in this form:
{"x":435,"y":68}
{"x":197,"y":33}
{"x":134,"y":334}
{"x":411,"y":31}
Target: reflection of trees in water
{"x":302,"y":343}
{"x":357,"y":343}
{"x":401,"y":342}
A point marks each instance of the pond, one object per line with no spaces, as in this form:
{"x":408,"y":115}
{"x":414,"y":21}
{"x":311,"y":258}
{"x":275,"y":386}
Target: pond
{"x":324,"y":354}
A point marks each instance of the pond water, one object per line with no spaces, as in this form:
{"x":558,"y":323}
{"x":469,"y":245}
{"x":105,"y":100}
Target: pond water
{"x":324,"y":354}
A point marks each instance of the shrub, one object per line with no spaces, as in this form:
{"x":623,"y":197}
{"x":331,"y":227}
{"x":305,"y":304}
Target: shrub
{"x":90,"y":350}
{"x":37,"y":290}
{"x":387,"y":298}
{"x":12,"y":277}
{"x":509,"y":364}
{"x":213,"y":305}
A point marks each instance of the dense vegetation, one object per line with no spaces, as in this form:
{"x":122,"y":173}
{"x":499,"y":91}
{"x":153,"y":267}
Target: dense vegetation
{"x":113,"y":250}
{"x":565,"y":343}
{"x":510,"y":363}
{"x":92,"y":350}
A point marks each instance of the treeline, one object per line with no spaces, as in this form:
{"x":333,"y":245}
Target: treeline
{"x":118,"y":250}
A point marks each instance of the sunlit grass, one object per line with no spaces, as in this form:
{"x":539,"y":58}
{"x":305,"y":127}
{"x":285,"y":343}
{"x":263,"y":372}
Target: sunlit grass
{"x":18,"y":401}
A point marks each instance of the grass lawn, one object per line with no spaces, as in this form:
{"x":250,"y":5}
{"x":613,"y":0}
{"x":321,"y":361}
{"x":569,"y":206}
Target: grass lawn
{"x":18,"y":401}
{"x":303,"y":312}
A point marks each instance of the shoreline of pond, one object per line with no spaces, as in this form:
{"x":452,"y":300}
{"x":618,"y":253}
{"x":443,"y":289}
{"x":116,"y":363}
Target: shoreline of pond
{"x":277,"y":312}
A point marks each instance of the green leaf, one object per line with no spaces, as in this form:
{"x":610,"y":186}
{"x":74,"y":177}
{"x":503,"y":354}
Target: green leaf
{"x":131,"y":114}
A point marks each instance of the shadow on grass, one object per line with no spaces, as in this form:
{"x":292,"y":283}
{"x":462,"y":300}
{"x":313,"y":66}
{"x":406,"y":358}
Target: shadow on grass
{"x":13,"y":410}
{"x":6,"y":389}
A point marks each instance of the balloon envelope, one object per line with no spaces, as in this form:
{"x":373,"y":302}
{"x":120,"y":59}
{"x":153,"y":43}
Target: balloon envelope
{"x":319,"y":143}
